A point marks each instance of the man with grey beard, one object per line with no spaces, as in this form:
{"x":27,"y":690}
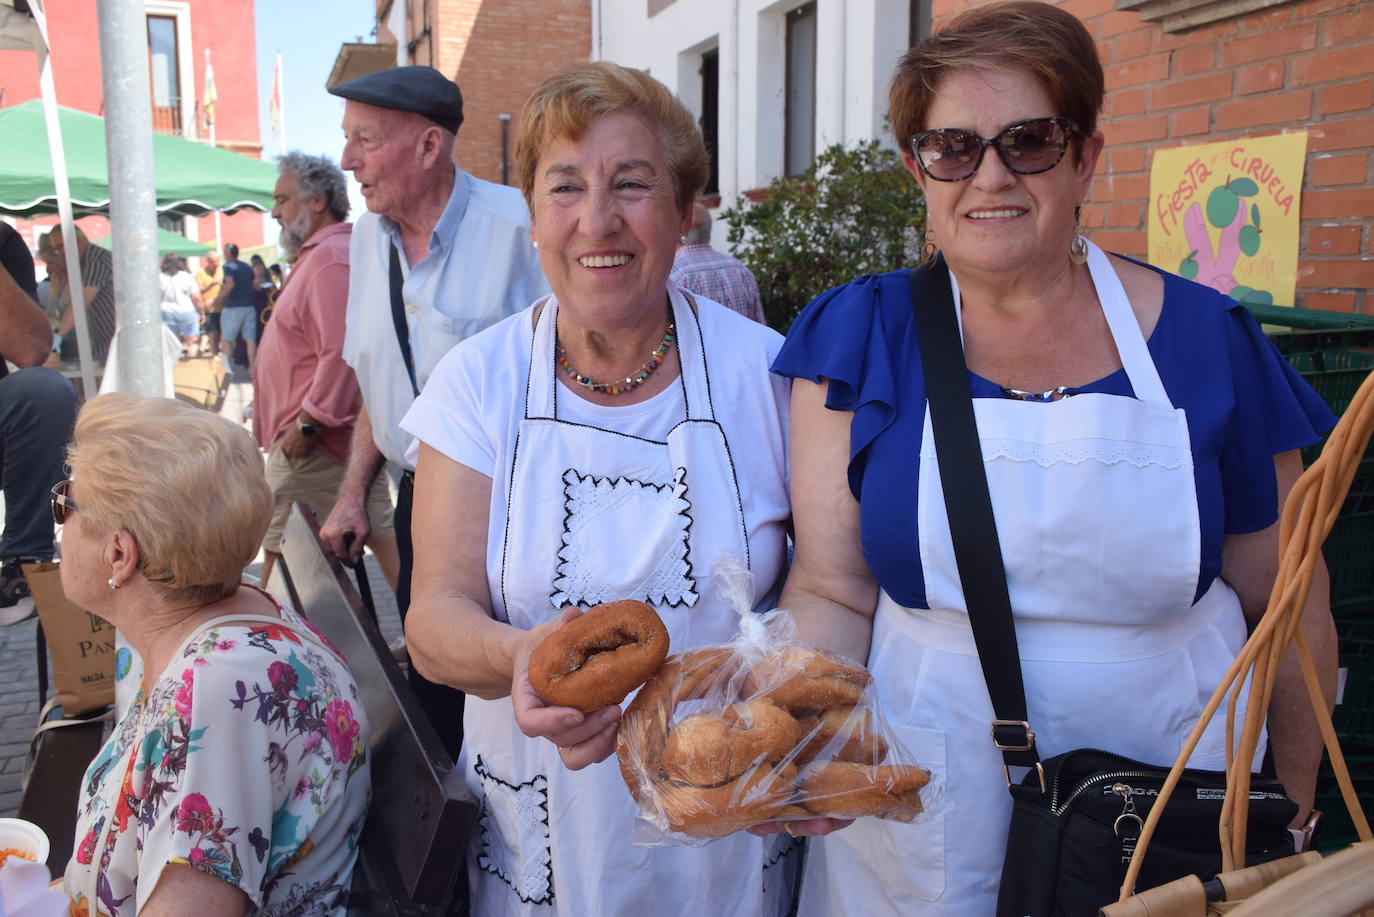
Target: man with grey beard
{"x":306,"y":396}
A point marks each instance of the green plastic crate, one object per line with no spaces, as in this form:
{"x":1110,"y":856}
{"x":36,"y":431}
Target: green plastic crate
{"x":1349,"y":550}
{"x":1336,"y":829}
{"x":1353,"y":717}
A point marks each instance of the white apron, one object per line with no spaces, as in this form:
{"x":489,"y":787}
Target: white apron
{"x":593,"y":515}
{"x":1097,"y":515}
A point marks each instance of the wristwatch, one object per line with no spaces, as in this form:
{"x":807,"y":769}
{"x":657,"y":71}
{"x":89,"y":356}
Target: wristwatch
{"x":307,"y":428}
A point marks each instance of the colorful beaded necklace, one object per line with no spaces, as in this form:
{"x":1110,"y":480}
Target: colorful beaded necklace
{"x":633,"y":380}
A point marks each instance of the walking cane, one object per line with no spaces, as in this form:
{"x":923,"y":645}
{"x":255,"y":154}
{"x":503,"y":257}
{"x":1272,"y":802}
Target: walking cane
{"x":360,"y":574}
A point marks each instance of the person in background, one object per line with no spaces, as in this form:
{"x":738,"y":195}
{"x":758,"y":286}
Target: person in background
{"x":237,"y":318}
{"x":1139,"y":434}
{"x":238,"y":780}
{"x":458,"y":251}
{"x":631,"y":488}
{"x":305,"y":396}
{"x":274,"y":273}
{"x":97,"y":281}
{"x":700,"y":268}
{"x":263,"y":287}
{"x":37,"y":407}
{"x":182,"y":309}
{"x":210,"y":279}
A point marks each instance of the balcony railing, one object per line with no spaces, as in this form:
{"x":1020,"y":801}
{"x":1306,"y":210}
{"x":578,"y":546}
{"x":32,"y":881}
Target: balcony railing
{"x":167,"y":119}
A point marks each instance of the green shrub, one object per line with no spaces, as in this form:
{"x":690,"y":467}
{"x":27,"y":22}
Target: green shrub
{"x":855,"y":211}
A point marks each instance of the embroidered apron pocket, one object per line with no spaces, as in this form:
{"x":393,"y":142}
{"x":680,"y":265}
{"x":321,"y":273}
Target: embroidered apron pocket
{"x":514,"y":841}
{"x":602,"y":541}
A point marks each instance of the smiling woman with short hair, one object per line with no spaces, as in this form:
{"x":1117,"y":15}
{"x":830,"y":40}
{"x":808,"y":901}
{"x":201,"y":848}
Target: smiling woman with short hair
{"x":613,"y":441}
{"x":1137,"y":431}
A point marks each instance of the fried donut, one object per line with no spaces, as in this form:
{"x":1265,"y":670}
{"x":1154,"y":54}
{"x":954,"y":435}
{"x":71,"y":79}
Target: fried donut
{"x":720,"y":810}
{"x":807,"y":681}
{"x":854,"y":726}
{"x":710,"y":749}
{"x":597,"y":659}
{"x":644,"y":725}
{"x":842,"y":789}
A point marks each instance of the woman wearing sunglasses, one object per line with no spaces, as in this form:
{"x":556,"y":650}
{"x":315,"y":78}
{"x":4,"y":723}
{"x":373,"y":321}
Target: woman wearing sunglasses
{"x":1138,"y":434}
{"x":237,"y":780}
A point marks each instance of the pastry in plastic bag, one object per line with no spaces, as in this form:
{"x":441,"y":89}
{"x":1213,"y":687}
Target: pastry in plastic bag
{"x":763,"y":728}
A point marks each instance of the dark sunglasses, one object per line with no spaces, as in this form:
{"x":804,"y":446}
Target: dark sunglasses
{"x":1026,"y":148}
{"x":62,"y":504}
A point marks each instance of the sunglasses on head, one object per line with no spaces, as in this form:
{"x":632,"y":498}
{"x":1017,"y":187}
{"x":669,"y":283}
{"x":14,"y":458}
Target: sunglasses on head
{"x":62,"y":504}
{"x":1026,"y":148}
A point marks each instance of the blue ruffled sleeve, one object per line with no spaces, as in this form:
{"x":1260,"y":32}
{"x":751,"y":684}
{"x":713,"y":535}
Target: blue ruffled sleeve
{"x":851,"y":336}
{"x":861,"y":337}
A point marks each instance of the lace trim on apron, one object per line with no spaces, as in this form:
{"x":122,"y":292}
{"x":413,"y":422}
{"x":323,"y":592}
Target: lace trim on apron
{"x":532,"y":878}
{"x":1141,"y":455}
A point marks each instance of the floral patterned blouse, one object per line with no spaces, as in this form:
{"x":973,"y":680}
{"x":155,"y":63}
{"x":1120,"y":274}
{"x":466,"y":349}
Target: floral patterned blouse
{"x":246,"y":759}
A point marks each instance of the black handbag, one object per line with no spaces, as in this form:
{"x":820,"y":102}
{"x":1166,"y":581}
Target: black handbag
{"x":1075,"y":817}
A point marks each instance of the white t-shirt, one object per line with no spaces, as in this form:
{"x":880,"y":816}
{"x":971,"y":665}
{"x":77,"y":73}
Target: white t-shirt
{"x":176,"y":292}
{"x":472,"y":407}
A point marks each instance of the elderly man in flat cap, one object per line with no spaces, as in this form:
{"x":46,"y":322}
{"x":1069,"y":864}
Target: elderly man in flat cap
{"x":439,"y":256}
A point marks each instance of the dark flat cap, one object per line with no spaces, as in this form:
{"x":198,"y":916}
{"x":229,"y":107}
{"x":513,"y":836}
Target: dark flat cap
{"x":422,"y":90}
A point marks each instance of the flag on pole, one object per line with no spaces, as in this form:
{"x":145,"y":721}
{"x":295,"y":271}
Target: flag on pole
{"x":207,"y":99}
{"x":276,"y":103}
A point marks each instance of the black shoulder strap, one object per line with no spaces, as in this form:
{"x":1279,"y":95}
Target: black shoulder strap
{"x":972,"y":526}
{"x":398,"y":318}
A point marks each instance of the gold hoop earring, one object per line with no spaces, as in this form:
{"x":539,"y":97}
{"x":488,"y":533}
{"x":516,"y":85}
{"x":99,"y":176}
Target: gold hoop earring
{"x":931,"y":250}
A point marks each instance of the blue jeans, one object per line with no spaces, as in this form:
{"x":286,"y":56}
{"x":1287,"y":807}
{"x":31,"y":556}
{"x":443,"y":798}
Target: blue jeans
{"x":37,"y":411}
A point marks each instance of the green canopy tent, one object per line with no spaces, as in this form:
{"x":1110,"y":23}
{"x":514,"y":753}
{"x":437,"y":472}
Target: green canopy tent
{"x":167,"y":241}
{"x":192,"y":179}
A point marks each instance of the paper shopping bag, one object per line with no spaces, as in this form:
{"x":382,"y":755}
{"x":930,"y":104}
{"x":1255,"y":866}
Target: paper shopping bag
{"x":82,"y":646}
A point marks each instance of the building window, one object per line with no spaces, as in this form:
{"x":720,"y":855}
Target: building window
{"x":710,"y":116}
{"x":799,"y":110}
{"x":920,"y":21}
{"x":163,"y":70}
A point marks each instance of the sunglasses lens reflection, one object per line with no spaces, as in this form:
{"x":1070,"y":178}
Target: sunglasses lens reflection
{"x":1033,"y":147}
{"x":61,"y":503}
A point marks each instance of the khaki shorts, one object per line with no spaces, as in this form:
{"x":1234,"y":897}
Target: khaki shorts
{"x":314,"y":480}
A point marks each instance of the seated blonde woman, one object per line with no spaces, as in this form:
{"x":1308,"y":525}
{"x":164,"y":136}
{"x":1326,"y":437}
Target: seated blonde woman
{"x":238,"y":777}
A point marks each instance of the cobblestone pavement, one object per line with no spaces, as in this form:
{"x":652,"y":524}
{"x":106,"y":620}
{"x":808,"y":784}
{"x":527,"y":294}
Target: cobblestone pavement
{"x":18,"y":651}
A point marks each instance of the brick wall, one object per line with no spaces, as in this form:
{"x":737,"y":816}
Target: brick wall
{"x":1304,"y":65}
{"x":497,"y":52}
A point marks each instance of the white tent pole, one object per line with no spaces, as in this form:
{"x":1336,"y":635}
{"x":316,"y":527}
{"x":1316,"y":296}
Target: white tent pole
{"x":282,"y":102}
{"x":64,"y":201}
{"x":133,"y":199}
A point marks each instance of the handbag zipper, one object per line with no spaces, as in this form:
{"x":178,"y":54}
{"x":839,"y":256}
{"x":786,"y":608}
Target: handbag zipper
{"x":1057,"y":809}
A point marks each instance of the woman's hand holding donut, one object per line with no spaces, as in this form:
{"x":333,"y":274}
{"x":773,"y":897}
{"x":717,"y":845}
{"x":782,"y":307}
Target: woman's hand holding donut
{"x":582,"y":738}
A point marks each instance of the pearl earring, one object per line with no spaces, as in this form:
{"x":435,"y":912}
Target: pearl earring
{"x":111,"y":583}
{"x":536,"y":244}
{"x":682,"y":239}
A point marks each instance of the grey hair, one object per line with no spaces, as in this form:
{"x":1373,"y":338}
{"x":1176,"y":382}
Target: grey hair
{"x":317,"y":176}
{"x":700,"y":233}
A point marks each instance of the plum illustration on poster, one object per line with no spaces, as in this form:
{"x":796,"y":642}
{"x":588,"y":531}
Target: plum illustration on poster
{"x":1226,"y":215}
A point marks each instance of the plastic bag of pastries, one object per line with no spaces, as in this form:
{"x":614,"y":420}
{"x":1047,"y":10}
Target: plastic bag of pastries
{"x":760,"y":729}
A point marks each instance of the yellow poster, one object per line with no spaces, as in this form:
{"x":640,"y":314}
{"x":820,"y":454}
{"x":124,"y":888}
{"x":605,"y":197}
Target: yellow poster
{"x":1226,"y":215}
